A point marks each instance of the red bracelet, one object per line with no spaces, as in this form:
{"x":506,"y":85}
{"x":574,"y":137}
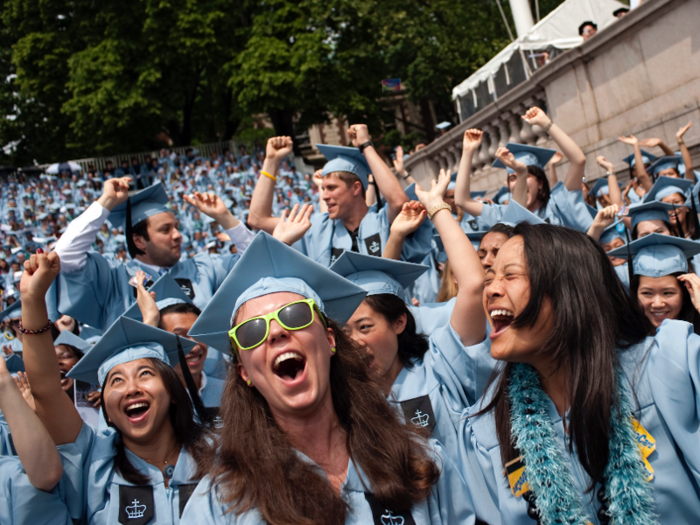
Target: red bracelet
{"x":32,"y":332}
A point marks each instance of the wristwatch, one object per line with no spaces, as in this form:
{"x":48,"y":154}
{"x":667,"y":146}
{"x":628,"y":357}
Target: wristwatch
{"x":362,"y":147}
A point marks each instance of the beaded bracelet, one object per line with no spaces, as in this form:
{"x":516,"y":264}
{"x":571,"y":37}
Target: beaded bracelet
{"x":437,"y":208}
{"x":33,"y":332}
{"x":263,"y":172}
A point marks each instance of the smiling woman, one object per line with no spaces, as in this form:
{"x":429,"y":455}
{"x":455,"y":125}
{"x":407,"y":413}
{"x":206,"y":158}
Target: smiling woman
{"x":585,"y":381}
{"x":307,"y":436}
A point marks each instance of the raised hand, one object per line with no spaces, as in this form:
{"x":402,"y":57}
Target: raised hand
{"x":536,"y":117}
{"x":207,"y":203}
{"x":509,"y":160}
{"x":630,"y":141}
{"x":114,"y":192}
{"x":22,"y":382}
{"x":650,"y":142}
{"x":556,"y":158}
{"x":692,"y":283}
{"x":290,"y":229}
{"x":359,"y":134}
{"x":398,"y":161}
{"x":318,"y":178}
{"x":412,"y":215}
{"x":146,"y":301}
{"x":681,"y":131}
{"x":606,"y":165}
{"x":278,"y":148}
{"x":606,"y":216}
{"x":431,"y":198}
{"x":472,"y":139}
{"x":40,"y":270}
{"x":95,"y":398}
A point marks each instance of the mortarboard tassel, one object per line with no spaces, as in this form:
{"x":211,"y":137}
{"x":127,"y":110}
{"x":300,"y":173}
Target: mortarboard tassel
{"x":131,"y":247}
{"x":630,"y":271}
{"x":191,"y":387}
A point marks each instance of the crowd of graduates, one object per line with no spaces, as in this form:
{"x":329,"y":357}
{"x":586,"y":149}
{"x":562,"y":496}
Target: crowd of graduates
{"x":228,"y":340}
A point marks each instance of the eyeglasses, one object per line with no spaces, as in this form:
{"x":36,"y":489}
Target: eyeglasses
{"x":292,"y":316}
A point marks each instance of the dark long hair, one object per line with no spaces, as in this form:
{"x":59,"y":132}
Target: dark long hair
{"x":688,"y":312}
{"x":671,"y":228}
{"x":255,"y":466}
{"x":412,"y":345}
{"x":545,"y":190}
{"x":188,"y":432}
{"x":593,"y":317}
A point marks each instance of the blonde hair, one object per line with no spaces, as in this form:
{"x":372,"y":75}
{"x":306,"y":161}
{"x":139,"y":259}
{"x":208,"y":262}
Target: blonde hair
{"x":448,"y":286}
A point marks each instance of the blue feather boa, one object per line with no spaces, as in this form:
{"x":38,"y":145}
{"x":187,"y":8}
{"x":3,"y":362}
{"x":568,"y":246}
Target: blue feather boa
{"x":629,"y":496}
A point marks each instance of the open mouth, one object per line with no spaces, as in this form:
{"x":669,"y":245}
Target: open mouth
{"x":501,"y":320}
{"x":289,"y":365}
{"x":136,"y":411}
{"x":64,"y":379}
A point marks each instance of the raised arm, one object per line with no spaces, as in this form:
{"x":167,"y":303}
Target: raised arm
{"x":552,"y":168}
{"x":260,"y":214}
{"x":388,"y":184}
{"x":639,"y":171}
{"x":571,"y":150}
{"x":468,"y":317}
{"x":471,"y":141}
{"x":35,"y":448}
{"x":653,"y":143}
{"x":53,"y":406}
{"x":614,"y":191}
{"x":520,"y":188}
{"x":371,"y":193}
{"x":318,"y":181}
{"x":603,"y":219}
{"x":400,"y":168}
{"x":409,"y":220}
{"x":212,"y":205}
{"x":291,"y":229}
{"x":685,"y":154}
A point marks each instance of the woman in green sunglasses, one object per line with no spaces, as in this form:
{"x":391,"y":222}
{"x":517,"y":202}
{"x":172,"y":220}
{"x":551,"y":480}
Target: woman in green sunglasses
{"x":307,"y":437}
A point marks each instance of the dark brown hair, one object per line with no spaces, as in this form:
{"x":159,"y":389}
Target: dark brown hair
{"x":593,"y":317}
{"x":255,"y":466}
{"x":688,"y":312}
{"x":412,"y":345}
{"x":545,"y":190}
{"x":349,"y":179}
{"x":188,"y":432}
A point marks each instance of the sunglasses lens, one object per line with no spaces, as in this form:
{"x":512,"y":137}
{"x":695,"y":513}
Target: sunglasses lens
{"x":251,"y":333}
{"x":297,"y":315}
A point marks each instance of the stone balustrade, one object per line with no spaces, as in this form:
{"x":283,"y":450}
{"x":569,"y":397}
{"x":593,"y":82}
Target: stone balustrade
{"x":639,"y":76}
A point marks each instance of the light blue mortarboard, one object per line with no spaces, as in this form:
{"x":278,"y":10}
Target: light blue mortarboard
{"x":270,"y":266}
{"x":168,"y":292}
{"x":502,"y":195}
{"x":601,"y":185}
{"x":144,"y":204}
{"x":663,"y":163}
{"x":647,"y":158}
{"x":14,"y":363}
{"x":514,"y":214}
{"x":649,"y":211}
{"x":377,"y":275}
{"x":341,"y":158}
{"x":658,"y":255}
{"x":665,"y":186}
{"x":67,"y":337}
{"x":614,"y":231}
{"x":11,"y":312}
{"x":125,"y":341}
{"x":529,"y":155}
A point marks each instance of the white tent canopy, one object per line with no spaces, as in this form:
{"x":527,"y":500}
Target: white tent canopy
{"x":558,"y":29}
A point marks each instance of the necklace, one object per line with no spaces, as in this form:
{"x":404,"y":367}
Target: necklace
{"x":626,"y":497}
{"x":169,"y":469}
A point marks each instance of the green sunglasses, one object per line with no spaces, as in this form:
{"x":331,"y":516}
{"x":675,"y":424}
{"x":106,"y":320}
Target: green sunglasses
{"x":293,"y":316}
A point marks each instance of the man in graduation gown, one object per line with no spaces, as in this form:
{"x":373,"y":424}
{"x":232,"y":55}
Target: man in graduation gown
{"x":97,"y":293}
{"x":345,"y":223}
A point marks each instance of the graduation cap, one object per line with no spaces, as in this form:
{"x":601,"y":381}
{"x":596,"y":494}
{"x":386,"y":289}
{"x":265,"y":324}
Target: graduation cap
{"x":168,"y":292}
{"x":125,"y":341}
{"x":656,"y":255}
{"x":529,"y":155}
{"x":502,"y":195}
{"x":270,"y":266}
{"x":341,"y":158}
{"x":14,"y":363}
{"x":514,"y":214}
{"x":649,"y":211}
{"x":601,"y":186}
{"x":664,"y":163}
{"x":614,"y":231}
{"x":377,"y":275}
{"x":66,"y":337}
{"x":647,"y":158}
{"x":13,"y":311}
{"x":665,"y":186}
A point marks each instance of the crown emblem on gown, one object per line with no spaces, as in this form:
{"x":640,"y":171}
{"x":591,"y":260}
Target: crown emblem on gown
{"x":135,"y":510}
{"x":389,"y":519}
{"x":421,"y":419}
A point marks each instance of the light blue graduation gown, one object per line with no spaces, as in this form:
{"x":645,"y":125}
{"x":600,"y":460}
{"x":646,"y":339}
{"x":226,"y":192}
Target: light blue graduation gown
{"x":7,"y":447}
{"x":92,"y":486}
{"x":665,"y":373}
{"x":431,"y":316}
{"x":449,"y":501}
{"x":427,"y":286}
{"x":623,"y":274}
{"x":22,"y":504}
{"x":211,"y":393}
{"x":328,"y":238}
{"x":99,"y":293}
{"x":564,"y":208}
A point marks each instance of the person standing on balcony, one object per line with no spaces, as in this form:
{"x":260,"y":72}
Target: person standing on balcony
{"x":561,"y":205}
{"x":348,"y":224}
{"x":587,"y":30}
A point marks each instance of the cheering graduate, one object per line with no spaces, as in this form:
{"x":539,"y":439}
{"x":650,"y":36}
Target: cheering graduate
{"x":29,"y":481}
{"x":563,"y":204}
{"x":662,"y":282}
{"x":683,"y":216}
{"x":307,"y":436}
{"x":144,"y":465}
{"x":95,"y":292}
{"x":592,"y":418}
{"x":348,"y":224}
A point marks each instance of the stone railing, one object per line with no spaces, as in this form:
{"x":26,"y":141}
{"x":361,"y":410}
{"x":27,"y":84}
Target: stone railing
{"x":639,"y":76}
